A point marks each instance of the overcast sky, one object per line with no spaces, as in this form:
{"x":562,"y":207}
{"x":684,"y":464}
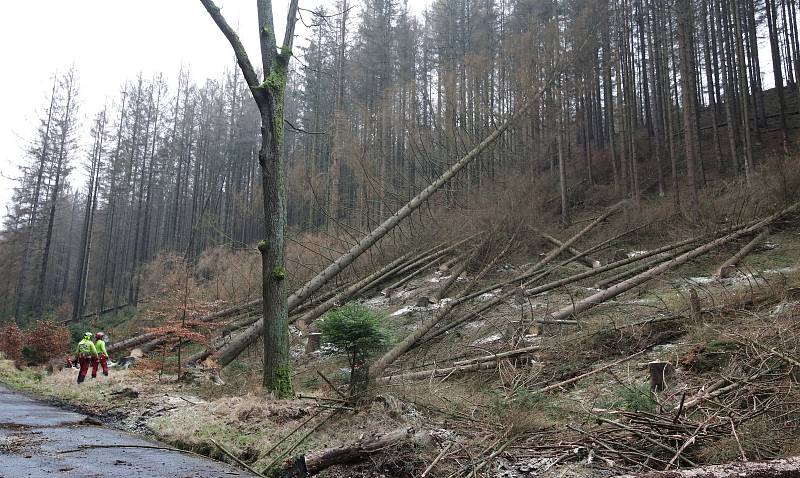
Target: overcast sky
{"x":109,"y":41}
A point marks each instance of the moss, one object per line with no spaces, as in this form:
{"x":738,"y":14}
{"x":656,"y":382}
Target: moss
{"x":276,"y":82}
{"x":282,"y":381}
{"x":286,"y":52}
{"x":279,"y":273}
{"x":263,"y":245}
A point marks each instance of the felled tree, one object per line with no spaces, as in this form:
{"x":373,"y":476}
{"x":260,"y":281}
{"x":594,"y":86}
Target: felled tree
{"x":354,"y":331}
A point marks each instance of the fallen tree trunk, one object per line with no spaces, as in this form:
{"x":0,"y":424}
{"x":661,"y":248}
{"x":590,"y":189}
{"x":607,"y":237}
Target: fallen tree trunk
{"x":782,"y":468}
{"x":314,"y":462}
{"x":604,"y":283}
{"x":536,"y":268}
{"x":581,"y":257}
{"x":241,"y":342}
{"x":421,"y":265}
{"x":102,"y":312}
{"x":553,"y":285}
{"x":602,"y":296}
{"x":440,"y":294}
{"x":366,"y":283}
{"x":497,"y":356}
{"x":568,"y":280}
{"x":377,"y":368}
{"x":729,"y":266}
{"x":332,"y":300}
{"x":439,"y":372}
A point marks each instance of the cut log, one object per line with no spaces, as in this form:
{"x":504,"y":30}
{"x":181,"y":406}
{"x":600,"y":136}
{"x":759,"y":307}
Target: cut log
{"x":602,"y":296}
{"x":782,"y":468}
{"x":314,"y":462}
{"x":728,"y":268}
{"x":581,"y":257}
{"x":241,"y":342}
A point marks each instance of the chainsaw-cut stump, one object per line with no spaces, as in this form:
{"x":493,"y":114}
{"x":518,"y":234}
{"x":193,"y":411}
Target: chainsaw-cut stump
{"x":660,"y":373}
{"x":314,"y":342}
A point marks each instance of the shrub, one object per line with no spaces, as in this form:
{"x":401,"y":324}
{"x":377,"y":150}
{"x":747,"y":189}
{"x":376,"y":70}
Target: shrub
{"x":47,"y":340}
{"x":354,"y":331}
{"x":11,"y":342}
{"x":636,"y":398}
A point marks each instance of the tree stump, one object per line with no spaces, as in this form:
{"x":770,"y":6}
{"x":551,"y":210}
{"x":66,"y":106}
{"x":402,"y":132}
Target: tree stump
{"x":727,"y":271}
{"x":619,"y":255}
{"x":314,"y":342}
{"x":660,"y":372}
{"x":694,"y":305}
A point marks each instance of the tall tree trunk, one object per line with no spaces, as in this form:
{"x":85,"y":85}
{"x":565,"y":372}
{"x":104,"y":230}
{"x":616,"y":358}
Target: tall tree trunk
{"x":685,"y":24}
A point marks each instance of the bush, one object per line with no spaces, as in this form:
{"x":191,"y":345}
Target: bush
{"x":354,"y":331}
{"x":47,"y":340}
{"x":11,"y":341}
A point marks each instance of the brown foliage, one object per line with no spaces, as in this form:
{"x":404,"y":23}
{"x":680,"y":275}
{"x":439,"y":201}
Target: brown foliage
{"x":48,"y":340}
{"x":11,"y":342}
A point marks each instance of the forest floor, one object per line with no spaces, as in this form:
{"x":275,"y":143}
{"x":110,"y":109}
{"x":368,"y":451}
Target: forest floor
{"x":733,"y":394}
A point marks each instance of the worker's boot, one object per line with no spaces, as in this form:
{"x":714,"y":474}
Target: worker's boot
{"x":81,"y":378}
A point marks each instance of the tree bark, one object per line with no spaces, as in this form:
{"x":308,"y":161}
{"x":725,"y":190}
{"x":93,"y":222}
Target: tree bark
{"x":312,"y":463}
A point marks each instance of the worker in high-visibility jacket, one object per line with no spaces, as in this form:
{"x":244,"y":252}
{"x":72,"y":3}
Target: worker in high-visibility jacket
{"x":102,"y":354}
{"x":86,"y":354}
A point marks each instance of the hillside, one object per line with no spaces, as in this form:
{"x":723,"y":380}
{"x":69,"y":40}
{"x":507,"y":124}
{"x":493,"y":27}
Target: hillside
{"x":499,"y":389}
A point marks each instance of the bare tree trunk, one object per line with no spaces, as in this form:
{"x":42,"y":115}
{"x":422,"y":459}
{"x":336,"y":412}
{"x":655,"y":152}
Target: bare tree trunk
{"x":690,"y":140}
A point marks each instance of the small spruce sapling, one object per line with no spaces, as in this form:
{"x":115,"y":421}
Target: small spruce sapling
{"x":354,"y":331}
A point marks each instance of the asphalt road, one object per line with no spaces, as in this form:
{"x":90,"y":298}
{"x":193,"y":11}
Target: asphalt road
{"x":40,"y":440}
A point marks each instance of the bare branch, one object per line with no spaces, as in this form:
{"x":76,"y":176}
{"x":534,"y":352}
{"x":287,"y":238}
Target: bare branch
{"x":241,"y":55}
{"x":291,"y":21}
{"x":300,"y":130}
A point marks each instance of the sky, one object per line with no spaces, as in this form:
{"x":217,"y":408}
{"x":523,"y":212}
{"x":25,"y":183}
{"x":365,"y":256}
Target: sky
{"x":109,"y":42}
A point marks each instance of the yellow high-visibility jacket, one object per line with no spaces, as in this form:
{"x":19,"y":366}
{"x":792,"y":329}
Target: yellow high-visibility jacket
{"x":86,"y":346}
{"x":100,"y":345}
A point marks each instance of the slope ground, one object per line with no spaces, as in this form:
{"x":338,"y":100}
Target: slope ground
{"x":732,"y":344}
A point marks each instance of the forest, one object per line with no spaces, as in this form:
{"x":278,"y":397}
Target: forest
{"x":407,"y":172}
